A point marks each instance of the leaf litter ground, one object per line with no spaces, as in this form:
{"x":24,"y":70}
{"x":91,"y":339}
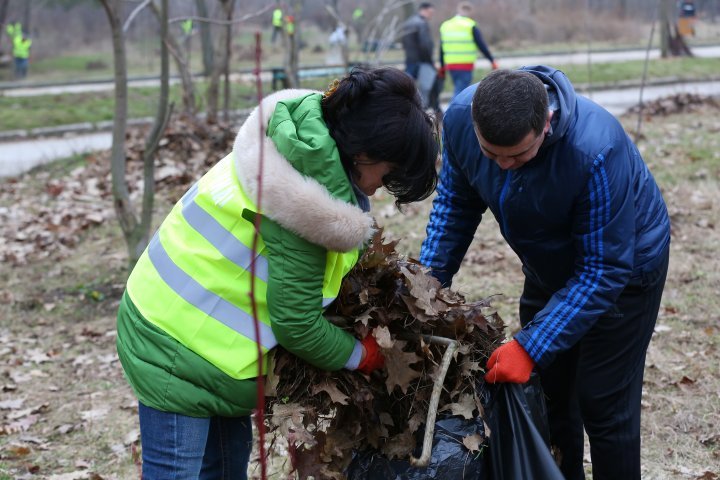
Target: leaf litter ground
{"x":67,"y":413}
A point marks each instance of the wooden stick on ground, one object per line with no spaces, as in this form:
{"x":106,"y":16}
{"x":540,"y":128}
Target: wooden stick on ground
{"x":452,"y":346}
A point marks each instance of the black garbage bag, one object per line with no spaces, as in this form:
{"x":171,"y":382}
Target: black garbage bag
{"x":450,"y":460}
{"x":519,"y":433}
{"x":518,"y":443}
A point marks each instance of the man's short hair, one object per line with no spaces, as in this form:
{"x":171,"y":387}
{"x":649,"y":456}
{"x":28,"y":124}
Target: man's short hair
{"x":465,"y":8}
{"x":425,"y":5}
{"x":507,"y":105}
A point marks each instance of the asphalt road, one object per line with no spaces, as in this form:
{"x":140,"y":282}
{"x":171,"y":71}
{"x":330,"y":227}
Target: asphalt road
{"x":712,"y":51}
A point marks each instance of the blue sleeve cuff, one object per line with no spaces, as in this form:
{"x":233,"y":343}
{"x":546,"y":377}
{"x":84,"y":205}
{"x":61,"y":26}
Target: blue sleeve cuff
{"x":354,"y":360}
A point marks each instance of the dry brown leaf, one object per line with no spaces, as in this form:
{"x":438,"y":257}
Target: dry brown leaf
{"x":473,"y":442}
{"x":396,"y":364}
{"x":399,"y":446}
{"x":464,"y":406}
{"x":336,"y":396}
{"x":383,"y":337}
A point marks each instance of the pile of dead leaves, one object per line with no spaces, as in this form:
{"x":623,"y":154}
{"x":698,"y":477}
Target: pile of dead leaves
{"x":325,"y":416}
{"x":38,"y":221}
{"x":680,"y":103}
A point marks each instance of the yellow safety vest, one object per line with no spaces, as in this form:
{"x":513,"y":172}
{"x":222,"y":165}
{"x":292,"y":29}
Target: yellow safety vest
{"x":193,"y":281}
{"x":457,"y":40}
{"x":21,"y":47}
{"x":277,"y":18}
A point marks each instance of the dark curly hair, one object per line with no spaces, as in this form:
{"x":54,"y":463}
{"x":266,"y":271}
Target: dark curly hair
{"x":378,"y":112}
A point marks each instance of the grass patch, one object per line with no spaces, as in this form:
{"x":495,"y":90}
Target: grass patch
{"x":54,"y":110}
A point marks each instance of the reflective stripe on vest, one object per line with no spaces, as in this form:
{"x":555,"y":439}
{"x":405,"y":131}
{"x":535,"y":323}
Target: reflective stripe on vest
{"x":458,"y":44}
{"x":193,"y":281}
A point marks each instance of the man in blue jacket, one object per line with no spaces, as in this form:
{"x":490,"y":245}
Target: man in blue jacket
{"x":577,"y":204}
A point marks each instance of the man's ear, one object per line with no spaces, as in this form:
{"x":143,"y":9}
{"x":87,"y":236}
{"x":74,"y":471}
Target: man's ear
{"x":547,"y":122}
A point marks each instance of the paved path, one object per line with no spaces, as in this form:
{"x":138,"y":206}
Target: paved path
{"x":711,"y":51}
{"x":19,"y":156}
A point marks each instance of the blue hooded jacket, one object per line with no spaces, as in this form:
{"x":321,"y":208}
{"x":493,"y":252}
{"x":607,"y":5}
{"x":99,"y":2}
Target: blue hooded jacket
{"x":585,"y":216}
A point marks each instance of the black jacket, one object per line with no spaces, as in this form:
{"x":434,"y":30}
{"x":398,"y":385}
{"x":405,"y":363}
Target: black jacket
{"x":417,"y":41}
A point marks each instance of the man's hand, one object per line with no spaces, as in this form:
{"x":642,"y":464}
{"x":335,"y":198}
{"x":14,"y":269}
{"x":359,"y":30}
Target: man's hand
{"x":509,"y":363}
{"x":372,"y":357}
{"x":495,"y":65}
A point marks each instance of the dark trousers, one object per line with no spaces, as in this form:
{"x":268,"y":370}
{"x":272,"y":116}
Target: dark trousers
{"x":598,"y":383}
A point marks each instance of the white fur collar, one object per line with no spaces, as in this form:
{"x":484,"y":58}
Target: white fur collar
{"x":299,"y":203}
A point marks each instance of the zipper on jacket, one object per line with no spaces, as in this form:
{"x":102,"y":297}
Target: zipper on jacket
{"x":503,"y":194}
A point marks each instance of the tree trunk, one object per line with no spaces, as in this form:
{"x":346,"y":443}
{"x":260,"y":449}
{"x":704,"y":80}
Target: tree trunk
{"x":3,"y":20}
{"x":292,"y":57}
{"x":664,"y":28}
{"x":27,"y":16}
{"x":206,"y":43}
{"x":182,"y":63}
{"x":121,"y":195}
{"x":622,"y":9}
{"x":230,"y":6}
{"x":136,"y":233}
{"x":140,"y":236}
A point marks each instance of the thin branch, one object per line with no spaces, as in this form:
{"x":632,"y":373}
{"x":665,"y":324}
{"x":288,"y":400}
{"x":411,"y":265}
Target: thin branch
{"x":223,"y":22}
{"x":134,"y":13}
{"x":452,"y":346}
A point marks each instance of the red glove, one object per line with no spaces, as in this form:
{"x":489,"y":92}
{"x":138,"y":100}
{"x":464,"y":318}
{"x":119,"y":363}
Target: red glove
{"x":494,"y":65}
{"x":509,"y":363}
{"x":373,"y":357}
{"x":441,"y":73}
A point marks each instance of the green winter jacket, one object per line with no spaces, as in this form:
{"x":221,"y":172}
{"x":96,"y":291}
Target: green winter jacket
{"x":309,"y":213}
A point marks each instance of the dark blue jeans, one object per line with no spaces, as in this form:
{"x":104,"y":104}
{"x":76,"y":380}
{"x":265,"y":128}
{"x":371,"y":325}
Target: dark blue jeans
{"x":21,"y":67}
{"x":461,"y":79}
{"x":598,"y":383}
{"x":179,"y":447}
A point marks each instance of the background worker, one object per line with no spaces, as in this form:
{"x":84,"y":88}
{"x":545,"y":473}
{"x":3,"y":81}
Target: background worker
{"x":21,"y":53}
{"x":460,"y":38}
{"x":418,"y":44}
{"x":277,"y":23}
{"x":186,"y":335}
{"x":577,"y":204}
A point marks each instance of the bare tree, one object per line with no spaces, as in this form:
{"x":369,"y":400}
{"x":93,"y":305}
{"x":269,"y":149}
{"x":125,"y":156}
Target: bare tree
{"x":213,"y":91}
{"x":292,"y":52}
{"x":182,"y":63}
{"x":136,"y":232}
{"x":229,"y":9}
{"x":384,"y":29}
{"x":208,"y":51}
{"x":3,"y":19}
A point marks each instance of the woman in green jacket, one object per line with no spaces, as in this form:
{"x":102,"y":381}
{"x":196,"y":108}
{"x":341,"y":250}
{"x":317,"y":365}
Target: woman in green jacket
{"x":186,"y":335}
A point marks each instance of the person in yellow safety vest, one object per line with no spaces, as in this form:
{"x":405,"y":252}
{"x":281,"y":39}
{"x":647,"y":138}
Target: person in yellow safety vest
{"x":277,"y":23}
{"x":290,"y":24}
{"x":14,"y":29}
{"x":460,"y":38}
{"x":21,"y":52}
{"x":186,"y":26}
{"x":186,"y":333}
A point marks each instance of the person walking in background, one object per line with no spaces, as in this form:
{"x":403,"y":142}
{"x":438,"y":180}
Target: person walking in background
{"x":21,"y":53}
{"x":277,"y":23}
{"x":578,"y":205}
{"x":418,"y":44}
{"x":460,"y":38}
{"x":186,"y":322}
